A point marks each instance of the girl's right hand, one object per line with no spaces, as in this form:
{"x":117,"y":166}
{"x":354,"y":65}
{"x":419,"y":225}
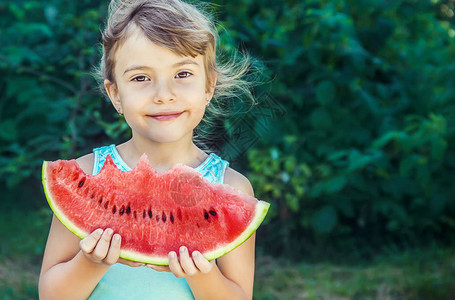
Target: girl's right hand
{"x":103,"y":247}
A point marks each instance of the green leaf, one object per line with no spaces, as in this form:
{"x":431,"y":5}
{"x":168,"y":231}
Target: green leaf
{"x":335,"y":184}
{"x":359,"y":161}
{"x":321,"y":119}
{"x":8,"y":130}
{"x":345,"y":207}
{"x":325,"y":92}
{"x":408,"y":164}
{"x":293,"y":202}
{"x":325,"y":219}
{"x":388,"y":138}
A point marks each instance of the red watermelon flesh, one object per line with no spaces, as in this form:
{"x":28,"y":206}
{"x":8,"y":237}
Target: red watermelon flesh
{"x":155,"y":213}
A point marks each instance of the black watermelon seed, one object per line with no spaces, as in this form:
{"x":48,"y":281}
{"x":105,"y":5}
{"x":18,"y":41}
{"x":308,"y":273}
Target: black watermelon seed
{"x":206,"y":215}
{"x":143,"y":214}
{"x":163,"y":217}
{"x":135,"y":214}
{"x":81,"y":183}
{"x":100,"y":201}
{"x":150,"y":213}
{"x":122,"y":210}
{"x":106,"y":204}
{"x":92,"y":196}
{"x":212,"y":212}
{"x":172,"y":218}
{"x":128,"y":210}
{"x":114,"y":209}
{"x":157,"y":218}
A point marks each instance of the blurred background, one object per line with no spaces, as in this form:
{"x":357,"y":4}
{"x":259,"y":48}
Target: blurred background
{"x":351,"y":141}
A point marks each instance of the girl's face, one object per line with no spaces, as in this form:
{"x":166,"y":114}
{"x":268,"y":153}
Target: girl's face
{"x":162,"y":95}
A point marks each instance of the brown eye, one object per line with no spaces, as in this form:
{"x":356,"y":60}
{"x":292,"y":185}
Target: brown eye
{"x":140,"y":78}
{"x":183,"y":75}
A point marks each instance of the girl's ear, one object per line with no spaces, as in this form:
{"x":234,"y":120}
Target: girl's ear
{"x":211,"y":86}
{"x":112,"y":92}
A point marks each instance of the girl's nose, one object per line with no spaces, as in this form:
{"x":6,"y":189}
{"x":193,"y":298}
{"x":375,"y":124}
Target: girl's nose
{"x":163,"y":92}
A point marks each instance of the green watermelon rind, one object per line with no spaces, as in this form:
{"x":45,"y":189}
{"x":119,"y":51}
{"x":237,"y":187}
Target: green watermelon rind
{"x":261,"y":211}
{"x":262,"y":208}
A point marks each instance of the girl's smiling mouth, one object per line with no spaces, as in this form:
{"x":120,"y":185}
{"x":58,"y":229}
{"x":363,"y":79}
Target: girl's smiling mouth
{"x":166,"y":116}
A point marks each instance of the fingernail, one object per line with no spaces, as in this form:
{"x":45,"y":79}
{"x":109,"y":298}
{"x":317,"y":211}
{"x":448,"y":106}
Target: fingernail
{"x":116,"y":237}
{"x":172,"y":254}
{"x":98,"y":231}
{"x":109,"y":231}
{"x":182,"y":249}
{"x":196,"y":254}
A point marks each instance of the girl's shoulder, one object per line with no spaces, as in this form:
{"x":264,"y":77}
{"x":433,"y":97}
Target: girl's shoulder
{"x":238,"y":181}
{"x":86,"y":163}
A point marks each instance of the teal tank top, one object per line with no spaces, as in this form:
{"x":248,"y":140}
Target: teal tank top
{"x":124,"y":282}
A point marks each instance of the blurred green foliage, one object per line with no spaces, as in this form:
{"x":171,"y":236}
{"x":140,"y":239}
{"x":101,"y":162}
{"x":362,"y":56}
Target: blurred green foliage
{"x":353,"y":146}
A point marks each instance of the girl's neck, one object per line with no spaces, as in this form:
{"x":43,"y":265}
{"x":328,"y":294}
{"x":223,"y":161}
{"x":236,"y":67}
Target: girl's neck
{"x":162,"y":156}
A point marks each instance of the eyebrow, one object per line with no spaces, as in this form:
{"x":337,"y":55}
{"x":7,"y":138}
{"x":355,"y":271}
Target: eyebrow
{"x":177,"y":64}
{"x":185,"y":62}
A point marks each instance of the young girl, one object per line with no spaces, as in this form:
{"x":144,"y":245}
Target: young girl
{"x":160,"y":73}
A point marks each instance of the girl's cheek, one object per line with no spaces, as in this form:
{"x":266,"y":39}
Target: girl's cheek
{"x":190,"y":88}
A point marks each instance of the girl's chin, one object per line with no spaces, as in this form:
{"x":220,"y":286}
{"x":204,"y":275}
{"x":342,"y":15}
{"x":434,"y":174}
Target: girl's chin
{"x":167,"y":137}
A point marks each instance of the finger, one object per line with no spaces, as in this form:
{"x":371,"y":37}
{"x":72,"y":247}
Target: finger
{"x":130,"y":263}
{"x":201,"y":263}
{"x":88,"y":244}
{"x":133,"y":264}
{"x":174,"y":265}
{"x":103,"y":245}
{"x":187,"y":262}
{"x":113,"y":251}
{"x":159,"y":268}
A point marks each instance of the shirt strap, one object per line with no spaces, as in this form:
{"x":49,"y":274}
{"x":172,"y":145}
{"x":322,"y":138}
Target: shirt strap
{"x":100,"y":157}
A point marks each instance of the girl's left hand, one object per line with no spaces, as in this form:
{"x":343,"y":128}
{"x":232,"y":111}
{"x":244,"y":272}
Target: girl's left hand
{"x":185,"y":265}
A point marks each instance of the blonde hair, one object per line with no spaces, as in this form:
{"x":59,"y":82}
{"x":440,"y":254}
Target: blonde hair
{"x":181,"y":27}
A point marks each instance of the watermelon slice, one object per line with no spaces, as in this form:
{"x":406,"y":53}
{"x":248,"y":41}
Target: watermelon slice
{"x":155,"y":213}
